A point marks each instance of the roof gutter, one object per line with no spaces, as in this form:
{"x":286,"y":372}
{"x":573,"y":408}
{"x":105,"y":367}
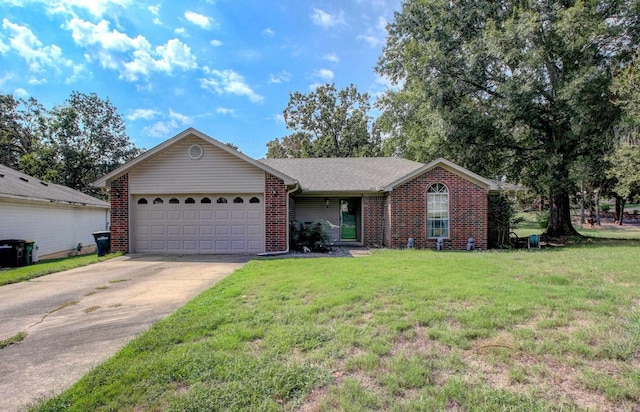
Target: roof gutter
{"x":283,"y":252}
{"x":56,"y":201}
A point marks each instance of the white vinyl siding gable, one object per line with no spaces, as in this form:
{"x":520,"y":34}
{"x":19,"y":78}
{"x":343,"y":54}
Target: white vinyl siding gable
{"x":174,"y":171}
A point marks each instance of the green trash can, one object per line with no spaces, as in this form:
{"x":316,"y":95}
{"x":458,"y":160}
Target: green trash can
{"x":103,"y":242}
{"x":28,"y":252}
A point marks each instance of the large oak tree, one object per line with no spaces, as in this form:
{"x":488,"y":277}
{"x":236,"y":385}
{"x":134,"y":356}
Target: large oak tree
{"x":519,"y":87}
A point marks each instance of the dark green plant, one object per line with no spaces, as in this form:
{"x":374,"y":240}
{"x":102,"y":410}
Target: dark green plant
{"x":316,"y":236}
{"x":543,"y":219}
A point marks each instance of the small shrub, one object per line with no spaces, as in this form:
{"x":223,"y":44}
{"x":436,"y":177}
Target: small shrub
{"x":605,"y":207}
{"x":316,"y":236}
{"x":543,"y":219}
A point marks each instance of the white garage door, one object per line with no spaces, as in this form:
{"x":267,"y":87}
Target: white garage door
{"x":199,"y":223}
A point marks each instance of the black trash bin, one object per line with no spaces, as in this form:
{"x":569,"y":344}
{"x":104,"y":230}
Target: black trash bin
{"x":103,"y":242}
{"x":12,"y":252}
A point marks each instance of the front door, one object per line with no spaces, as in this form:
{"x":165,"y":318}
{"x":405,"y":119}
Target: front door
{"x":348,"y":220}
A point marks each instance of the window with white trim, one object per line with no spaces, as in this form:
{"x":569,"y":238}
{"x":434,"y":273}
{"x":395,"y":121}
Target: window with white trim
{"x":438,"y":211}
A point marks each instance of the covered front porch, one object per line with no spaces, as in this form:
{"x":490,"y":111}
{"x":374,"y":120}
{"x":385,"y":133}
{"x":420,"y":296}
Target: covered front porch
{"x":342,"y":213}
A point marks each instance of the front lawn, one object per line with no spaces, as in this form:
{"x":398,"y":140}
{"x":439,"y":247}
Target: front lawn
{"x":20,"y":274}
{"x":399,"y":330}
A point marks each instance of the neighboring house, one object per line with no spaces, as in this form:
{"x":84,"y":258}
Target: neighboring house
{"x":56,"y":217}
{"x":194,"y":194}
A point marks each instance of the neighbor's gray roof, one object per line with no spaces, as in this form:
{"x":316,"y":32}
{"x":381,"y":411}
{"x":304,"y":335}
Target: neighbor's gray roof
{"x":17,"y":185}
{"x":352,"y":174}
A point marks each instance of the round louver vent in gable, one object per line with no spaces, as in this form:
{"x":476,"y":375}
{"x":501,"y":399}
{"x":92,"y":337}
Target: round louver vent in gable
{"x":196,"y":151}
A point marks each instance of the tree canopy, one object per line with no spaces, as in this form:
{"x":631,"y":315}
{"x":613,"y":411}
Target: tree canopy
{"x":514,"y":87}
{"x":72,"y":144}
{"x":327,"y":123}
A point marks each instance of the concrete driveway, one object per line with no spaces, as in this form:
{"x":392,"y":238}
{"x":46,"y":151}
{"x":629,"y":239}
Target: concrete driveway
{"x":78,"y":318}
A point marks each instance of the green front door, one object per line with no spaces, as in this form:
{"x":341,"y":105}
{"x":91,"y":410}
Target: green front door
{"x":348,"y":209}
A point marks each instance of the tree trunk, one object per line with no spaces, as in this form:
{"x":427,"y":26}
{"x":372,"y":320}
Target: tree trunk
{"x":560,"y":215}
{"x":582,"y":194}
{"x":619,"y":210}
{"x":598,"y":207}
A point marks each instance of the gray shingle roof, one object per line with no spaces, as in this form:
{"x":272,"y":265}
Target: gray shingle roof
{"x":353,"y":174}
{"x":18,"y":185}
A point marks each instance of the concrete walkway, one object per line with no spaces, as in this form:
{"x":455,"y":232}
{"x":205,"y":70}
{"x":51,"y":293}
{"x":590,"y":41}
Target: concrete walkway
{"x":77,"y":319}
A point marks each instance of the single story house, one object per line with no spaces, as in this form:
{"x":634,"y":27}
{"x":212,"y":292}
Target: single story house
{"x":194,"y":194}
{"x":55,"y":217}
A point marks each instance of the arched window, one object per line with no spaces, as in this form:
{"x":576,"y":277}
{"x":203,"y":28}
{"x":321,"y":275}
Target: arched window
{"x":142,"y":201}
{"x":205,"y":200}
{"x":221,"y":200}
{"x":238,"y":200}
{"x":438,"y":211}
{"x":158,"y":201}
{"x":189,"y":200}
{"x":174,"y":201}
{"x":254,"y":200}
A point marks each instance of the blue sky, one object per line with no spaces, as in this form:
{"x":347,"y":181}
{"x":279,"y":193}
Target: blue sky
{"x":225,"y":67}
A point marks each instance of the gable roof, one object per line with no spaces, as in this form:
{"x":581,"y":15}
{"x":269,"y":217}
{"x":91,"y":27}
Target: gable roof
{"x":489,"y":185}
{"x":17,"y":185}
{"x":105,"y":181}
{"x":346,"y":174}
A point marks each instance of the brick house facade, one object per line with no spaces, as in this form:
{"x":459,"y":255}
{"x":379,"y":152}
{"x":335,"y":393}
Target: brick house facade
{"x":467,"y":211}
{"x":228,"y":202}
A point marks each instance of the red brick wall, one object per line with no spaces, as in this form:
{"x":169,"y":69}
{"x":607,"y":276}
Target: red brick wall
{"x":373,"y":221}
{"x":120,"y":214}
{"x":276,"y":225}
{"x":467,"y":211}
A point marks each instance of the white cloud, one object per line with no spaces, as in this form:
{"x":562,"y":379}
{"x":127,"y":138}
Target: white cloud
{"x":4,"y":48}
{"x":376,"y":36}
{"x":324,"y":74}
{"x":36,"y":82}
{"x":278,"y":118}
{"x":168,"y":127}
{"x":145,"y":114}
{"x":225,"y":111}
{"x":132,"y":57}
{"x":80,"y":72}
{"x":161,"y":129}
{"x":332,"y":57}
{"x":155,"y":10}
{"x":215,"y":43}
{"x":97,"y":8}
{"x":200,"y":20}
{"x":20,"y":92}
{"x":179,"y":117}
{"x":229,"y":82}
{"x":326,"y":20}
{"x":314,"y":86}
{"x":30,"y":48}
{"x":268,"y":32}
{"x":283,"y":77}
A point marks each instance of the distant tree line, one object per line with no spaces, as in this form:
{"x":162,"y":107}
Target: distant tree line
{"x":543,"y":92}
{"x":72,"y":144}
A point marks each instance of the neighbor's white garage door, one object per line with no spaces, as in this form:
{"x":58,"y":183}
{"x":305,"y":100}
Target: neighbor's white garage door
{"x":199,"y":223}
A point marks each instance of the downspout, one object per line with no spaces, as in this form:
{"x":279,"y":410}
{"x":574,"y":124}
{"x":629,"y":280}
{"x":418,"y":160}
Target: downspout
{"x":283,"y":252}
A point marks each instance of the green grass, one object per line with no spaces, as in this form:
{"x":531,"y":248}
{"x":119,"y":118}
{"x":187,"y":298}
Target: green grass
{"x":399,"y":330}
{"x":21,"y":274}
{"x":18,"y":337}
{"x":529,"y":226}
